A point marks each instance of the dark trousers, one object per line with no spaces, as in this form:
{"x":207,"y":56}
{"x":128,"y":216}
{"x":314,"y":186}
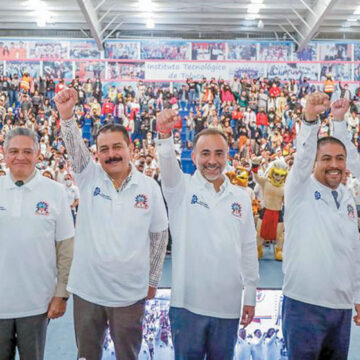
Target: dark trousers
{"x":195,"y":336}
{"x":314,"y":332}
{"x":28,"y":334}
{"x":91,"y":321}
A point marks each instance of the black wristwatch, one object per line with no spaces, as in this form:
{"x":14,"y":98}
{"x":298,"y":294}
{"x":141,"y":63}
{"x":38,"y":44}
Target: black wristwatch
{"x":65,"y":298}
{"x":310,"y":122}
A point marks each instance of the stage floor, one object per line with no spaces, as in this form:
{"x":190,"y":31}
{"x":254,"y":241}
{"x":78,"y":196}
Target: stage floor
{"x":60,"y":344}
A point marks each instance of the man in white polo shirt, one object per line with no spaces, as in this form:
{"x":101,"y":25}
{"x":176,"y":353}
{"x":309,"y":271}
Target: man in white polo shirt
{"x":214,"y":247}
{"x":321,"y":252}
{"x":36,"y":236}
{"x":120,"y":240}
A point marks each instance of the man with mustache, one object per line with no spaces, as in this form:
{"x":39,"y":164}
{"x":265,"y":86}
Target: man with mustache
{"x":120,"y":240}
{"x":214,"y":247}
{"x":321,"y":250}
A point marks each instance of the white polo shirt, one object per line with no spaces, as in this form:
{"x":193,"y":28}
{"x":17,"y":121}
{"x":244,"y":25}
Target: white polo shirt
{"x":111,"y":261}
{"x":322,"y":248}
{"x":214,"y":241}
{"x":32,"y":218}
{"x":72,"y":193}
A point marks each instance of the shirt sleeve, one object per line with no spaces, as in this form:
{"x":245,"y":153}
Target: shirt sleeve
{"x":78,"y":152}
{"x":158,"y":244}
{"x":357,"y":272}
{"x":64,"y":221}
{"x":249,"y":260}
{"x":64,"y":255}
{"x":172,"y":178}
{"x":352,"y":156}
{"x":159,"y":220}
{"x":64,"y":234}
{"x":306,"y":144}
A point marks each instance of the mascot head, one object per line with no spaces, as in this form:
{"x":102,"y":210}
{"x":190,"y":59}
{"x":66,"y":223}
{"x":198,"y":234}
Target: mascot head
{"x":277,"y":172}
{"x":239,"y":176}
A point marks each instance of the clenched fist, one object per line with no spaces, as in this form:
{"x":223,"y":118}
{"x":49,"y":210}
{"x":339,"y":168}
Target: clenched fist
{"x":339,"y":109}
{"x":65,"y":102}
{"x":166,"y":121}
{"x":316,"y":104}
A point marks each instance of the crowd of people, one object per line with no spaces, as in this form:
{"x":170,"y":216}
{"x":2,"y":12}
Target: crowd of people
{"x":258,"y":116}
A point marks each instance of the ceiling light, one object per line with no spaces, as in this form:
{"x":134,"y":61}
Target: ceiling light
{"x":41,"y":23}
{"x":351,"y":19}
{"x":257,"y":1}
{"x":357,"y":11}
{"x":150,"y":23}
{"x":146,"y":5}
{"x":260,"y":24}
{"x":254,"y":8}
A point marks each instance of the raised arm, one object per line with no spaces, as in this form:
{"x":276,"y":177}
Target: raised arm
{"x":79,"y":154}
{"x":171,"y":174}
{"x":306,"y":143}
{"x":338,"y":109}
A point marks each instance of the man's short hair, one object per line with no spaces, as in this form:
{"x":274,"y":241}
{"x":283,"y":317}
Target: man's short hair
{"x":206,"y":132}
{"x":114,"y":128}
{"x":21,"y":131}
{"x":329,"y":140}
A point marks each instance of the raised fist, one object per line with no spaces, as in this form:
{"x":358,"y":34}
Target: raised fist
{"x":316,"y":104}
{"x":166,"y":121}
{"x":65,"y":102}
{"x":339,"y":109}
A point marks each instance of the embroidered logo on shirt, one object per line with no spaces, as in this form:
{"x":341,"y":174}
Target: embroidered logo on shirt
{"x":195,"y":200}
{"x":260,"y":296}
{"x":317,"y":195}
{"x":236,"y":209}
{"x":351,"y":211}
{"x":141,"y":201}
{"x":42,"y":208}
{"x":97,"y":192}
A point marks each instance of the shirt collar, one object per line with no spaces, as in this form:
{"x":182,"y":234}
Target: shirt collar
{"x":28,"y":183}
{"x":208,"y":185}
{"x":327,"y":190}
{"x":132,"y":178}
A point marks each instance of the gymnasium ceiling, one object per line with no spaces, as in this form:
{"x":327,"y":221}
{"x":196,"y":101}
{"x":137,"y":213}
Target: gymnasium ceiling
{"x":297,"y":20}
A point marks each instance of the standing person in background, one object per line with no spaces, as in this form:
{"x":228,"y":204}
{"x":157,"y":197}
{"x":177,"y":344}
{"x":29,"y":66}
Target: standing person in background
{"x":112,"y":274}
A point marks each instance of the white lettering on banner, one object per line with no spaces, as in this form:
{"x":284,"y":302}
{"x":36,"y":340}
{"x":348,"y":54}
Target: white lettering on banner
{"x":181,"y":71}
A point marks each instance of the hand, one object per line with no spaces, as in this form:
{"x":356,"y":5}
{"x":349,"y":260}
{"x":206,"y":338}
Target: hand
{"x":357,"y":316}
{"x":65,"y":102}
{"x":57,"y":308}
{"x":339,"y":108}
{"x":316,"y":104}
{"x":166,"y":121}
{"x":151,"y":293}
{"x":247,"y":315}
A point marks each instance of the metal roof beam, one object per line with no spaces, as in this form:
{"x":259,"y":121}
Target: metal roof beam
{"x":313,"y":20}
{"x":91,"y":18}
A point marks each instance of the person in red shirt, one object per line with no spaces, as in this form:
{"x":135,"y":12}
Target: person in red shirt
{"x":236,"y":116}
{"x":262,"y":121}
{"x":108,"y":107}
{"x":275,"y":91}
{"x":59,"y":86}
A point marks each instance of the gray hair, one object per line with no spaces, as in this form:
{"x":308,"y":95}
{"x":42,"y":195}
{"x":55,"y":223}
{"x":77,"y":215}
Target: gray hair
{"x":21,"y":131}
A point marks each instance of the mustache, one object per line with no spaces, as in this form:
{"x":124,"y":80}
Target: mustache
{"x":113,"y":159}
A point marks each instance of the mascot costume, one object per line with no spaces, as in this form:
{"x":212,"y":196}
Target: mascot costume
{"x":270,"y":225}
